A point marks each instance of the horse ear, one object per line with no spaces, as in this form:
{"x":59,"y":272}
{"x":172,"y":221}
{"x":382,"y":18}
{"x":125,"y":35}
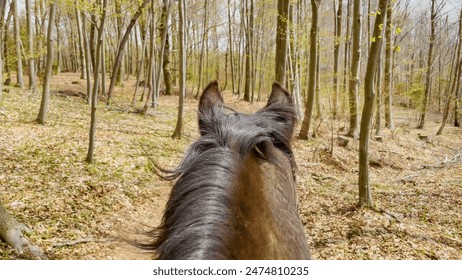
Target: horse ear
{"x":210,"y":97}
{"x":281,"y":109}
{"x":279,"y":95}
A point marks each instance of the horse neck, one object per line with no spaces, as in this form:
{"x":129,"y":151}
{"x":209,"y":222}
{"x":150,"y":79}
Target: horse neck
{"x":198,"y":223}
{"x":266,"y":211}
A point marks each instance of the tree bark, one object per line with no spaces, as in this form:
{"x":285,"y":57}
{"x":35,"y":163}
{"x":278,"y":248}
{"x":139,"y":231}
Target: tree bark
{"x":338,"y":32}
{"x":30,"y":33}
{"x":365,"y":196}
{"x":94,"y":96}
{"x":88,"y":63}
{"x":354,"y":72}
{"x":12,"y":233}
{"x":281,"y":41}
{"x":163,"y":35}
{"x":166,"y":55}
{"x":304,"y":131}
{"x":388,"y":90}
{"x":48,"y":67}
{"x":2,"y":16}
{"x":182,"y":66}
{"x":230,"y":42}
{"x":248,"y":91}
{"x":151,"y":66}
{"x":81,"y":45}
{"x":201,"y":55}
{"x":17,"y":39}
{"x":455,"y":84}
{"x":424,"y":105}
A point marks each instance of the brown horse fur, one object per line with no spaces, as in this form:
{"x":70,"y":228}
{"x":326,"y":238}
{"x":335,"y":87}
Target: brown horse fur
{"x":234,"y":195}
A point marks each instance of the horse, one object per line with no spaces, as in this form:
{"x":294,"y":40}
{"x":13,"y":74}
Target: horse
{"x":234,"y":195}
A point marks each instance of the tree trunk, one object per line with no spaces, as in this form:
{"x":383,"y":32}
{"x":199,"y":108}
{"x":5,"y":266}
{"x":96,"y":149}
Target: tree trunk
{"x":182,"y":67}
{"x":431,"y":43}
{"x":318,"y":84}
{"x":17,"y":39}
{"x":140,"y":65}
{"x":88,"y":63}
{"x":48,"y":67}
{"x":163,"y":35}
{"x":94,"y":96}
{"x":304,"y":131}
{"x":455,"y":84}
{"x":2,"y":16}
{"x":248,"y":51}
{"x":388,"y":91}
{"x":151,"y":66}
{"x":120,"y":48}
{"x":346,"y":50}
{"x":230,"y":42}
{"x":354,"y":72}
{"x":166,"y":56}
{"x":81,"y":45}
{"x":365,"y":197}
{"x":30,"y":33}
{"x":12,"y":233}
{"x":5,"y":47}
{"x":58,"y":41}
{"x":338,"y":32}
{"x":281,"y":41}
{"x":201,"y":55}
{"x":379,"y":99}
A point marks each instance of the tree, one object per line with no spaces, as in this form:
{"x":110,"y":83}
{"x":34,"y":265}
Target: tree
{"x":365,"y":197}
{"x":201,"y":55}
{"x":94,"y":95}
{"x":48,"y":67}
{"x":12,"y":233}
{"x":230,"y":42}
{"x":82,"y":56}
{"x":166,"y":54}
{"x":87,"y":55}
{"x":17,"y":39}
{"x":182,"y":66}
{"x":338,"y":32}
{"x":281,"y":41}
{"x":434,"y":13}
{"x":2,"y":16}
{"x":249,"y":51}
{"x":387,"y":92}
{"x":120,"y":49}
{"x":354,"y":70}
{"x":30,"y":34}
{"x":304,"y":130}
{"x":455,"y":84}
{"x":163,"y":36}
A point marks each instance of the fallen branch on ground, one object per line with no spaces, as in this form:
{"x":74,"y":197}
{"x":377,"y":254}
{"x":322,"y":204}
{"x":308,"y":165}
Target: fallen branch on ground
{"x":80,"y":241}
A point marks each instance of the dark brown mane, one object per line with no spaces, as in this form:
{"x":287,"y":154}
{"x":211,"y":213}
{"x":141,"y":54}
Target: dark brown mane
{"x":201,"y":220}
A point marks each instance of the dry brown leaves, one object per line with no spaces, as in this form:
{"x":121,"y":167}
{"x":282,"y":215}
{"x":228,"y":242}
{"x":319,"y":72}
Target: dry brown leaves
{"x":77,"y":209}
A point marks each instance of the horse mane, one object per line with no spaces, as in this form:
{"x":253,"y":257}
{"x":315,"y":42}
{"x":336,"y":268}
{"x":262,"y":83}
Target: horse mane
{"x":205,"y":176}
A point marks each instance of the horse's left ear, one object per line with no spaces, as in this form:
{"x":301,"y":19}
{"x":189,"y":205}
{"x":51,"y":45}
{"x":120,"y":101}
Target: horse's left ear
{"x":210,"y":97}
{"x":279,"y":95}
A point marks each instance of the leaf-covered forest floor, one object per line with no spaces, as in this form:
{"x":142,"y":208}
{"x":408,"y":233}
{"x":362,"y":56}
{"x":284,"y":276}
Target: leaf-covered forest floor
{"x":76,"y":209}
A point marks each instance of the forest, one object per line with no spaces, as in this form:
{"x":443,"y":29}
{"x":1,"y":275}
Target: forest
{"x":94,"y":94}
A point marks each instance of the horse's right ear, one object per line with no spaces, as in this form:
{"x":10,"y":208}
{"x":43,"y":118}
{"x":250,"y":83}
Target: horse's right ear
{"x":279,"y":95}
{"x":210,"y":97}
